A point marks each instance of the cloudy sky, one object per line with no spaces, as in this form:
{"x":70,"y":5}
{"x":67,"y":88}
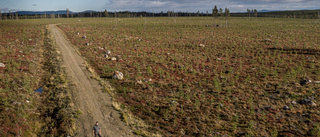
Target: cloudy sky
{"x":156,"y":5}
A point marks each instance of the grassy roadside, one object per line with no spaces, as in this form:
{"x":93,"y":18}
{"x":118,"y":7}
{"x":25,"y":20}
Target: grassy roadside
{"x":57,"y":112}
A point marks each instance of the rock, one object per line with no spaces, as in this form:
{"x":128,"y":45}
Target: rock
{"x":2,"y":65}
{"x":181,"y":66}
{"x":113,"y":58}
{"x":84,"y":37}
{"x":219,"y":59}
{"x":108,"y":52}
{"x":313,"y":104}
{"x":139,"y":82}
{"x":117,"y":75}
{"x":174,"y":102}
{"x":106,"y":56}
{"x":207,"y":25}
{"x":294,"y":102}
{"x":267,"y":40}
{"x":308,"y":101}
{"x":286,"y":108}
{"x":78,"y":33}
{"x":202,"y":45}
{"x":148,"y":80}
{"x":87,"y":44}
{"x":304,"y":82}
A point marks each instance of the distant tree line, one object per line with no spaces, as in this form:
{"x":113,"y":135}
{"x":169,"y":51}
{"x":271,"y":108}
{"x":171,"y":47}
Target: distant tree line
{"x":303,"y":14}
{"x":216,"y":12}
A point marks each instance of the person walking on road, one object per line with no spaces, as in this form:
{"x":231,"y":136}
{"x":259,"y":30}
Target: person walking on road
{"x":96,"y":130}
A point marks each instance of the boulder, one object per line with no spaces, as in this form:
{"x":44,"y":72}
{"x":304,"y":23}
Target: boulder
{"x":117,"y":75}
{"x":202,"y":45}
{"x":2,"y":65}
{"x":113,"y":59}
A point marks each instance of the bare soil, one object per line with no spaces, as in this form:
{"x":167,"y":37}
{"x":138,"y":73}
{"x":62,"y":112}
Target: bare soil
{"x":87,"y":94}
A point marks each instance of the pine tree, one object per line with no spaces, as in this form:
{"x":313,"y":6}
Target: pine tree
{"x":215,"y":11}
{"x":227,"y":12}
{"x":255,"y":13}
{"x":106,"y":13}
{"x":0,"y":15}
{"x":220,"y":12}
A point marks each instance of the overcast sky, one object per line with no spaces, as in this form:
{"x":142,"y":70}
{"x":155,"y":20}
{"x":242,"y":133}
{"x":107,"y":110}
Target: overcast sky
{"x":156,"y":5}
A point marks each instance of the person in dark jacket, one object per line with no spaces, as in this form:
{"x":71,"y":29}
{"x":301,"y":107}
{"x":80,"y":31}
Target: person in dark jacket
{"x":96,"y":130}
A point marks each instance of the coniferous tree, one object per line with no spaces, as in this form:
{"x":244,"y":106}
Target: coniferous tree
{"x":255,"y":13}
{"x":220,"y":12}
{"x":215,"y":11}
{"x":106,"y":13}
{"x":227,"y":12}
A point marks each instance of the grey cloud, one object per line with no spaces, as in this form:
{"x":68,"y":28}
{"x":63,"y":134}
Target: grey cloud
{"x":34,"y":5}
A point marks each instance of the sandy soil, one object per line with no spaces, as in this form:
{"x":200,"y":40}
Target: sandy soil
{"x":87,"y":94}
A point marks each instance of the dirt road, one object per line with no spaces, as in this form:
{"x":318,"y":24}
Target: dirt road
{"x":87,"y":94}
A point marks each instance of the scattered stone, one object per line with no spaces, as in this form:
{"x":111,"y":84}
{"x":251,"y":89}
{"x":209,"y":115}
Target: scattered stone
{"x":202,"y":45}
{"x":308,"y":101}
{"x":174,"y":102}
{"x":108,"y":52}
{"x":113,"y":59}
{"x":304,"y":82}
{"x":181,"y":66}
{"x":139,"y":82}
{"x":313,"y":104}
{"x":106,"y":56}
{"x":78,"y":33}
{"x":2,"y":65}
{"x":286,"y":108}
{"x":84,"y":37}
{"x":294,"y":102}
{"x":208,"y":25}
{"x":87,"y":44}
{"x":219,"y":59}
{"x":148,"y":80}
{"x":118,"y":75}
{"x":267,"y":40}
{"x":27,"y":101}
